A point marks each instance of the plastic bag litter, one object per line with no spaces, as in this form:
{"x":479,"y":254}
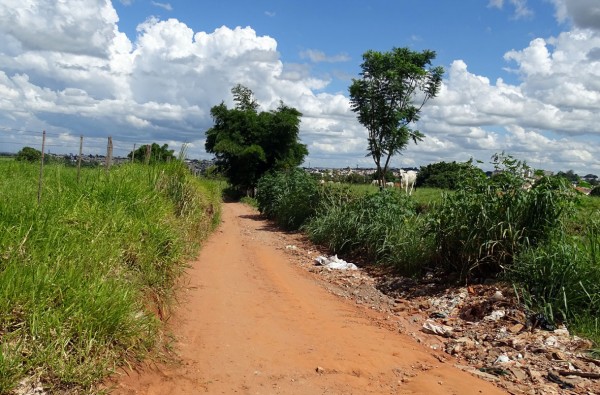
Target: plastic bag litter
{"x":436,"y":329}
{"x":335,"y":263}
{"x":495,"y":315}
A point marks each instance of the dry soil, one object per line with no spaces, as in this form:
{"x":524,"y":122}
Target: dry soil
{"x":251,"y":321}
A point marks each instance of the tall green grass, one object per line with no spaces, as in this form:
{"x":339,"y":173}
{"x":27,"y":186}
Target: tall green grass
{"x":86,"y":275}
{"x":561,"y":277}
{"x":289,"y":197}
{"x":382,"y":227}
{"x":480,"y":228}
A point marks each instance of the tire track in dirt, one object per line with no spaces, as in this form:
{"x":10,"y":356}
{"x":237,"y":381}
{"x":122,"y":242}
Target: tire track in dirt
{"x":250,"y":322}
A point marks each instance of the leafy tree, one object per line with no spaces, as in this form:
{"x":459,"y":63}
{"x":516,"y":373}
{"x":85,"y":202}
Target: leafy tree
{"x":444,"y":175}
{"x":569,"y":175}
{"x":247,"y":143}
{"x":158,"y":153}
{"x":591,"y":178}
{"x":355,"y":178}
{"x":29,"y":154}
{"x":389,"y":97}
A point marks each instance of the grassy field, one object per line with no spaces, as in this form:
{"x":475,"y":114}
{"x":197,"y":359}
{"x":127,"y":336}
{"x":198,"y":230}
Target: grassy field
{"x":421,"y":195}
{"x":87,"y":274}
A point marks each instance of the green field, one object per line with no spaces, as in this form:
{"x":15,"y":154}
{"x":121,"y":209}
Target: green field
{"x":87,"y":274}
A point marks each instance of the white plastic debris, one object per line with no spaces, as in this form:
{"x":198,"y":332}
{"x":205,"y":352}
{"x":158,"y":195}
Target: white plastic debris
{"x":562,"y":332}
{"x":495,"y":315}
{"x":497,"y":296}
{"x":502,"y":359}
{"x":334,"y":263}
{"x":432,"y":327}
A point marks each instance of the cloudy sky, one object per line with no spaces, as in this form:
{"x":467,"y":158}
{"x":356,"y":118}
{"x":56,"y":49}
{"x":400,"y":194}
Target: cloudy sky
{"x":522,"y":76}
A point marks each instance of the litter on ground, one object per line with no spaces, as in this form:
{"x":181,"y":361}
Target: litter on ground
{"x":334,"y":263}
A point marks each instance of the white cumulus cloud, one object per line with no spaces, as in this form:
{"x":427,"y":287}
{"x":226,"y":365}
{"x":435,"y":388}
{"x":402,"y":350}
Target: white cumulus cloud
{"x":67,"y":68}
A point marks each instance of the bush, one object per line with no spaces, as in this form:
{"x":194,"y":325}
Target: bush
{"x":445,"y":175}
{"x":482,"y":226}
{"x":29,"y":154}
{"x":289,"y":198}
{"x":595,"y":192}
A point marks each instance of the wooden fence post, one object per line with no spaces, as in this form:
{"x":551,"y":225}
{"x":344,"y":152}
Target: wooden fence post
{"x":109,"y":149}
{"x":148,"y":151}
{"x":133,"y":153}
{"x":79,"y":158}
{"x":41,"y":168}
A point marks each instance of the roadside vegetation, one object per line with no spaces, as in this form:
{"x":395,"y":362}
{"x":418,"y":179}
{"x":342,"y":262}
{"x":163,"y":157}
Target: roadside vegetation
{"x":87,"y":275}
{"x":544,"y":240}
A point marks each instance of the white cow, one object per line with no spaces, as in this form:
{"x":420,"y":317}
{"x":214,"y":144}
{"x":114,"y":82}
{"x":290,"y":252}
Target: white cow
{"x":408,"y":179}
{"x":387,"y":184}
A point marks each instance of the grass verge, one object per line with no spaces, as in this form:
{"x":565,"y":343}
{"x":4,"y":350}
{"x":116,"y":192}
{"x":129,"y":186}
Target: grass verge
{"x":84,"y":273}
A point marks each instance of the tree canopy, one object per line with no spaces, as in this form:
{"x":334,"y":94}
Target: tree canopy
{"x":248,"y":143}
{"x":388,"y":98}
{"x":569,"y":175}
{"x":158,"y":153}
{"x":446,"y":175}
{"x":29,"y":154}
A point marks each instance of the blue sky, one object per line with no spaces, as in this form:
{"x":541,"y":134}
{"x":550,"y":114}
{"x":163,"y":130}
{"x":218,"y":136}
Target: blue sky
{"x":521,"y":75}
{"x":472,"y":30}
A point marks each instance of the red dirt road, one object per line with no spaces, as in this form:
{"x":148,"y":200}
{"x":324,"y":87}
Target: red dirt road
{"x":251,"y":322}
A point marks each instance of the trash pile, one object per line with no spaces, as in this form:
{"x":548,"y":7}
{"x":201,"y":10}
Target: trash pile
{"x":482,"y":329}
{"x":490,"y":335}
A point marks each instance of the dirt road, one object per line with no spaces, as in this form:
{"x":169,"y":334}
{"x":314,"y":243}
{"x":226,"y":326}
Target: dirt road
{"x":251,"y":322}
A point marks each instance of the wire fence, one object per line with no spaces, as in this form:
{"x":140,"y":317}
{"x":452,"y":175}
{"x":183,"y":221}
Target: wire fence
{"x":67,"y":145}
{"x":79,"y":150}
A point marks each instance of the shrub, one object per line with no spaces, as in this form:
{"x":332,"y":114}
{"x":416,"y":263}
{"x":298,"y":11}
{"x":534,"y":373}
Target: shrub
{"x":487,"y":221}
{"x":29,"y":154}
{"x":444,"y":174}
{"x":289,"y":198}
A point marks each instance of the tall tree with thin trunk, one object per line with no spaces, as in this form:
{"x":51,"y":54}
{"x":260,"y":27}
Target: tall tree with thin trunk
{"x":388,"y":98}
